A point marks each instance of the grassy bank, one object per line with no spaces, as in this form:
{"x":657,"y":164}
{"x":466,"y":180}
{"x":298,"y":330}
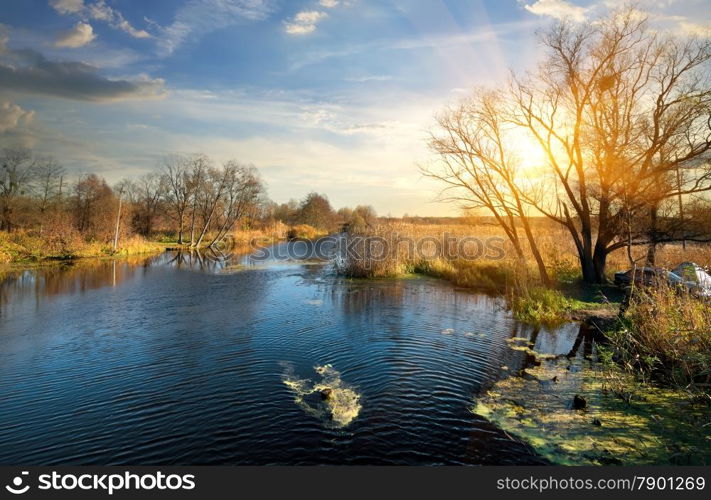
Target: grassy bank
{"x":21,"y":247}
{"x":645,"y":391}
{"x":485,"y":264}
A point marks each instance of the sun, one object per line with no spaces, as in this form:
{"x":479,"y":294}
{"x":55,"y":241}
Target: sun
{"x":526,"y":151}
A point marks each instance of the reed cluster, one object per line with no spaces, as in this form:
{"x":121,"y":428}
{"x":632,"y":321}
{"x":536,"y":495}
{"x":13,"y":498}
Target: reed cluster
{"x":665,"y":334}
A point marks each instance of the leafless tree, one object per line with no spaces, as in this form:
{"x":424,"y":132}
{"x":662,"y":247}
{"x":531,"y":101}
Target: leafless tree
{"x":619,"y":110}
{"x":18,"y":169}
{"x":242,"y":191}
{"x":49,"y":176}
{"x":148,"y":192}
{"x":622,"y":116}
{"x":209,"y":195}
{"x":176,"y":179}
{"x":480,"y":169}
{"x":196,"y":184}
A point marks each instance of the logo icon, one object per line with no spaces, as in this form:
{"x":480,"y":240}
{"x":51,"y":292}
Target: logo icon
{"x":16,"y":487}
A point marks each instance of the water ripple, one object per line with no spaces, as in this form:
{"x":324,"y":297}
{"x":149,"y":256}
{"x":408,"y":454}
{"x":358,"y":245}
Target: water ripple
{"x":148,"y":363}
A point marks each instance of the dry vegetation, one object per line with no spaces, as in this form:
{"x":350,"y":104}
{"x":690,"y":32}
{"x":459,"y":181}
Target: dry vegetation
{"x":25,"y":247}
{"x":491,"y":271}
{"x":190,"y":202}
{"x":666,"y":334}
{"x":557,"y":250}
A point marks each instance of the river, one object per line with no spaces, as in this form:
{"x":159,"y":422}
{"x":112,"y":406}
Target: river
{"x":175,"y":359}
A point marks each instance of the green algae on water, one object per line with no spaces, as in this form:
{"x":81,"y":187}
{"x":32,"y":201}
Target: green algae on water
{"x":640,"y":425}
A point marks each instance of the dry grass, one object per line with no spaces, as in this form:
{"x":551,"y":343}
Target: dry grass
{"x":666,"y":333}
{"x":445,"y":255}
{"x":394,"y":248}
{"x":554,"y":243}
{"x":488,"y":276}
{"x":305,"y":232}
{"x":23,"y":246}
{"x":245,"y":240}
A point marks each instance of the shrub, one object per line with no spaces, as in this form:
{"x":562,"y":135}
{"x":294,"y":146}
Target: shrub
{"x":304,"y":232}
{"x":541,"y":305}
{"x":18,"y":246}
{"x":666,"y":333}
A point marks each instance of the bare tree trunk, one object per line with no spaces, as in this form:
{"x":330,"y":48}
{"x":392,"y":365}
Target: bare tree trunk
{"x":192,"y":227}
{"x":652,"y":248}
{"x":118,"y":222}
{"x":542,"y":272}
{"x":681,"y":209}
{"x":205,"y":227}
{"x":180,"y":229}
{"x":600,"y":263}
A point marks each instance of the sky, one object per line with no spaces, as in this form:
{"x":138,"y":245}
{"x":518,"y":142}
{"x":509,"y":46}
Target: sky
{"x":333,"y":96}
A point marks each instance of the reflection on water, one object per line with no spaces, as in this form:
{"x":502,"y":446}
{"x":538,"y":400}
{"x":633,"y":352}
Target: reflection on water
{"x":66,"y":278}
{"x":190,"y":359}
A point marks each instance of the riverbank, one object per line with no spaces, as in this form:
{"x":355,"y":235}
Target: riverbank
{"x":529,"y":301}
{"x":639,"y":396}
{"x":22,"y":249}
{"x":580,"y":412}
{"x":530,"y":397}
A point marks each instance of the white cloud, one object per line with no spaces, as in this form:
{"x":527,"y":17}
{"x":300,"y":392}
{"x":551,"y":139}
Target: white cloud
{"x":559,"y":9}
{"x":98,"y":11}
{"x":682,"y":18}
{"x":80,"y":35}
{"x":695,"y":29}
{"x":102,"y":12}
{"x":368,"y":78}
{"x":67,"y":6}
{"x":304,"y":22}
{"x":13,"y":116}
{"x":199,"y":17}
{"x":657,"y":4}
{"x":329,"y":4}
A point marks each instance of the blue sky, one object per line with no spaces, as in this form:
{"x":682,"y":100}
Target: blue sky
{"x":328,"y":95}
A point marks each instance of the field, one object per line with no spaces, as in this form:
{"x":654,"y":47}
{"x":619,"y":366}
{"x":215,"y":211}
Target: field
{"x":460,"y":257}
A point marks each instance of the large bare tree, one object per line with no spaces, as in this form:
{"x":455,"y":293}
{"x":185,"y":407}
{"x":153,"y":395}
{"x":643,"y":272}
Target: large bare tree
{"x":243,"y":188}
{"x":148,"y":193}
{"x":620,"y":112}
{"x":622,"y":116}
{"x":49,"y":175}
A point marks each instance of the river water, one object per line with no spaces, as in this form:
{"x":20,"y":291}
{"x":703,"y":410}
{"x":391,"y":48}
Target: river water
{"x":180,"y":359}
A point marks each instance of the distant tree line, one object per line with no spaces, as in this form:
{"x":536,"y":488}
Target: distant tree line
{"x":315,"y":210}
{"x":191,"y":197}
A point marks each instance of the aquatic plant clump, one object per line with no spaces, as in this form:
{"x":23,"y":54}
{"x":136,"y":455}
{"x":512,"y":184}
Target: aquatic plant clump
{"x":330,"y":400}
